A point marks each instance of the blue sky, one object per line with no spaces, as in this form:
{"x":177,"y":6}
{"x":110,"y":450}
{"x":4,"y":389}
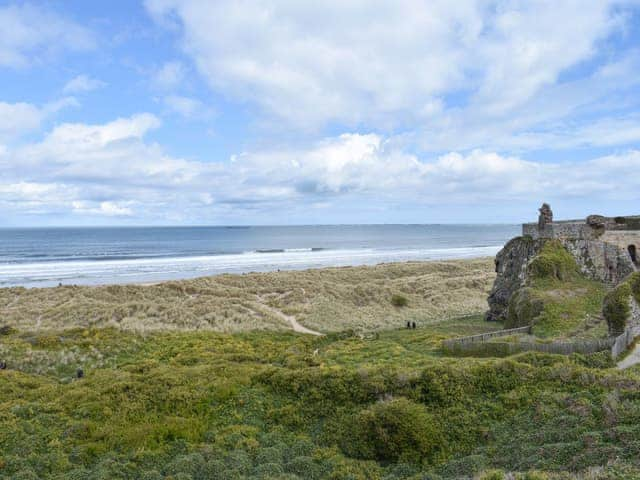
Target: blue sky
{"x":258,"y":112}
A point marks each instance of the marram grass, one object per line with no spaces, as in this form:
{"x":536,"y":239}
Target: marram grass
{"x":330,"y":299}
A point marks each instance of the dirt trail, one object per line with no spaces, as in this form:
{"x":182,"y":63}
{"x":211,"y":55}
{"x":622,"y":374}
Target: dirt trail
{"x":290,"y":319}
{"x":630,"y":360}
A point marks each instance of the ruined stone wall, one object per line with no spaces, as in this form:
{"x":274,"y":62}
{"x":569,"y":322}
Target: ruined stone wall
{"x":600,"y":260}
{"x":559,"y":230}
{"x":622,"y":238}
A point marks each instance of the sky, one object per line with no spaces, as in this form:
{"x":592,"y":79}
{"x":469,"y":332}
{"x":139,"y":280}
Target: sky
{"x":216,"y":112}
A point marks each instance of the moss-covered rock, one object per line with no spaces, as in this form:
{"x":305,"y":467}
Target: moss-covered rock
{"x":524,"y":307}
{"x":512,"y":274}
{"x":553,"y":261}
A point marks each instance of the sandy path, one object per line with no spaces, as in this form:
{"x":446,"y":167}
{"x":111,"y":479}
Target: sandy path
{"x":630,"y":360}
{"x":290,"y":319}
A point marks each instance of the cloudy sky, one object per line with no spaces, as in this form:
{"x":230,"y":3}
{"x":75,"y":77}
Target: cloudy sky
{"x":292,"y":112}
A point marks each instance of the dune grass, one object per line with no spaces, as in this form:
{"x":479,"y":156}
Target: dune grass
{"x":327,"y":300}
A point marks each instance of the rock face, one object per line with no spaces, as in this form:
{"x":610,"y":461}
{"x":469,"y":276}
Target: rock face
{"x":511,"y":266}
{"x":596,"y":259}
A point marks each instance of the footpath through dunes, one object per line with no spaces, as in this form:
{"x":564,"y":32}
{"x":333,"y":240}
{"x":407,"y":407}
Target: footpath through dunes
{"x":287,"y":318}
{"x":309,"y":301}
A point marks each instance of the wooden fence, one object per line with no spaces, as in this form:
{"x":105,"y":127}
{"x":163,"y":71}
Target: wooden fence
{"x":483,"y":337}
{"x":477,"y":345}
{"x":623,"y":341}
{"x":503,"y":349}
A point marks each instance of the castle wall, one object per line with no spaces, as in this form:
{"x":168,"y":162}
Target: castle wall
{"x":559,"y":230}
{"x":602,"y":251}
{"x":622,"y":238}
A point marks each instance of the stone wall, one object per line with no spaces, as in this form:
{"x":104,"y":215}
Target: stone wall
{"x":600,"y":260}
{"x":572,"y":229}
{"x":622,"y":238}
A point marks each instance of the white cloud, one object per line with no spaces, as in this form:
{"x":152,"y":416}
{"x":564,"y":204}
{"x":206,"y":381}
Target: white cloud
{"x":112,"y":170}
{"x":31,"y":34}
{"x":385,"y":63}
{"x":19,"y":118}
{"x":82,"y":83}
{"x":109,"y":209}
{"x":186,"y":106}
{"x":170,"y":75}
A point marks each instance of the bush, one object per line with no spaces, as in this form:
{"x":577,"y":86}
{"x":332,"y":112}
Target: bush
{"x":268,"y":470}
{"x":616,"y":308}
{"x":392,"y":431}
{"x":492,"y":475}
{"x":399,"y":300}
{"x":553,"y":261}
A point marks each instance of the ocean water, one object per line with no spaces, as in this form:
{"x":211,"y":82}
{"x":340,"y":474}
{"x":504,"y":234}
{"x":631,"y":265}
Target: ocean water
{"x":39,"y":257}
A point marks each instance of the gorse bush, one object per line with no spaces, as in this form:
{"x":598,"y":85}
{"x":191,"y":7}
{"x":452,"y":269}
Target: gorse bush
{"x":396,"y":430}
{"x":399,"y":300}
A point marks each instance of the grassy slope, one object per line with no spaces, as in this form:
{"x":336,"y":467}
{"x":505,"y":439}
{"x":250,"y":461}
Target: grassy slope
{"x":198,"y":405}
{"x":331,"y":299}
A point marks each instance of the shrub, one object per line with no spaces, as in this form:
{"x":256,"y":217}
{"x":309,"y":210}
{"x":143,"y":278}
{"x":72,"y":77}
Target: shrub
{"x":616,"y":308}
{"x":268,"y":470}
{"x":492,"y":475}
{"x":533,"y":475}
{"x":399,"y":300}
{"x":392,"y":431}
{"x":304,"y":467}
{"x":553,"y":261}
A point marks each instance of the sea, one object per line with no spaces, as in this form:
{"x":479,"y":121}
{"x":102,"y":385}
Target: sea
{"x":42,"y":257}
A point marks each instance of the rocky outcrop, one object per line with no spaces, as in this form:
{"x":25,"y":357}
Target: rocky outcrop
{"x":595,"y":259}
{"x":511,"y":266}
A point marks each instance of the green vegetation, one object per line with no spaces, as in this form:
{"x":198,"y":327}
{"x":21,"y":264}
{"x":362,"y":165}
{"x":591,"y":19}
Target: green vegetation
{"x":524,"y":307}
{"x":327,"y":300}
{"x":201,"y":405}
{"x":616,"y":307}
{"x":553,"y":262}
{"x":399,"y":300}
{"x":558,"y":301}
{"x":167,"y":394}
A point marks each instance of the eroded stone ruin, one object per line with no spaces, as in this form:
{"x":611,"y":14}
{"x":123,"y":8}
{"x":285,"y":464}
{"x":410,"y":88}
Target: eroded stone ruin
{"x":605,"y":248}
